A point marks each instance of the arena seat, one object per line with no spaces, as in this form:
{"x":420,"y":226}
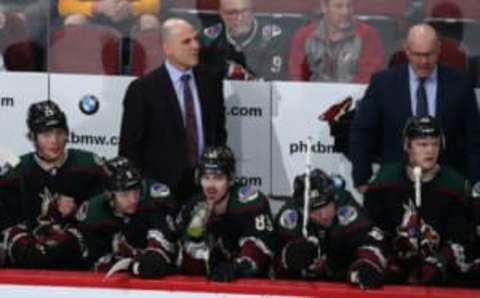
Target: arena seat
{"x":192,"y":4}
{"x":305,"y":7}
{"x":146,"y":52}
{"x":88,"y":49}
{"x":454,"y":9}
{"x":16,"y":46}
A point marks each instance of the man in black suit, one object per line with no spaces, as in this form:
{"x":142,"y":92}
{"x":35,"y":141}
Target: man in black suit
{"x":421,"y":87}
{"x":172,"y":113}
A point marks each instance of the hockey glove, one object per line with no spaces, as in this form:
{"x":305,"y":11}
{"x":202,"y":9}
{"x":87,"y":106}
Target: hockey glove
{"x":405,"y":244}
{"x":430,"y":240}
{"x":432,"y":272}
{"x":121,"y":247}
{"x":236,"y":71}
{"x":20,"y":246}
{"x":366,"y":275}
{"x":150,"y":264}
{"x":473,"y":275}
{"x":228,"y":271}
{"x":300,"y":254}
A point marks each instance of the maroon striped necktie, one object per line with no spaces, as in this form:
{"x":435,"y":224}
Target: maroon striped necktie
{"x":190,"y":121}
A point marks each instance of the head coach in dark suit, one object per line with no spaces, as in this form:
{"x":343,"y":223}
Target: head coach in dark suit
{"x":172,"y":113}
{"x":421,"y":87}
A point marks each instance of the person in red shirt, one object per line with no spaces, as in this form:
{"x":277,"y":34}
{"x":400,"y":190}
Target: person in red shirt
{"x":336,"y":48}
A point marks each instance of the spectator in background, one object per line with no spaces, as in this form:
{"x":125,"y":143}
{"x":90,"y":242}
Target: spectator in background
{"x":426,"y":226}
{"x":421,"y":87}
{"x":119,"y":14}
{"x":132,"y":220}
{"x":336,"y":48}
{"x":227,"y":230}
{"x":171,"y":113}
{"x":243,"y":46}
{"x":42,"y":192}
{"x":341,"y":242}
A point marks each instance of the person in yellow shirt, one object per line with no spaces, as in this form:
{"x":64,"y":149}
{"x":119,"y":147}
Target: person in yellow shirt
{"x":120,"y":14}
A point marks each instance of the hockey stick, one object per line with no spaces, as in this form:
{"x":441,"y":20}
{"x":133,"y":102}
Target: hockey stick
{"x":306,"y":192}
{"x":120,"y":265}
{"x":417,"y":174}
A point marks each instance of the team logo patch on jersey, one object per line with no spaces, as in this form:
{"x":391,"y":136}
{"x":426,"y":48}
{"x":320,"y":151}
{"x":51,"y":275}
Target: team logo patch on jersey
{"x":271,"y":31}
{"x":98,"y":160}
{"x":289,"y":219}
{"x":247,"y":193}
{"x":213,"y":31}
{"x":159,"y":190}
{"x":82,"y":211}
{"x":347,"y":215}
{"x":376,"y":234}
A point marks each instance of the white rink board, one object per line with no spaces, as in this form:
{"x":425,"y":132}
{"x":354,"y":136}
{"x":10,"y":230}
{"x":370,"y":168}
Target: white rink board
{"x":248,"y":107}
{"x":18,"y":90}
{"x":268,"y":123}
{"x":296,"y":107}
{"x":14,"y":291}
{"x":97,"y":132}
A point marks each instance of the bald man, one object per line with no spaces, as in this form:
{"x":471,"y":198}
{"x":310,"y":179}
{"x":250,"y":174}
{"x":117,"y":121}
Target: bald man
{"x":421,"y":86}
{"x":172,"y":113}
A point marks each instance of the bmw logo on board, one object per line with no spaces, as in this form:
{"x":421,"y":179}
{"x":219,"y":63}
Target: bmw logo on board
{"x":89,"y":104}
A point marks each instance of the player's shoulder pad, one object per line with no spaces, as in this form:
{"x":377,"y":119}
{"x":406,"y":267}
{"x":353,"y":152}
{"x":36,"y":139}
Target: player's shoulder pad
{"x":388,"y":173}
{"x":247,"y":194}
{"x":271,"y":31}
{"x":5,"y":168}
{"x":347,"y":214}
{"x":454,"y":181}
{"x":25,"y":162}
{"x":158,"y":190}
{"x":288,"y":218}
{"x":213,"y":32}
{"x":94,"y":209}
{"x":86,"y":157}
{"x":27,"y":159}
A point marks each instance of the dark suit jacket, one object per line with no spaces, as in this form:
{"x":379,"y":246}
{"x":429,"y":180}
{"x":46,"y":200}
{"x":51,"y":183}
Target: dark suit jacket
{"x":385,"y":108}
{"x":153,"y":134}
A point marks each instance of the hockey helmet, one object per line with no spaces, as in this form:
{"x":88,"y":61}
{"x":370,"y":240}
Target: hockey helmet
{"x":45,"y":115}
{"x":421,"y":127}
{"x":122,"y":174}
{"x":322,"y":189}
{"x":216,"y":160}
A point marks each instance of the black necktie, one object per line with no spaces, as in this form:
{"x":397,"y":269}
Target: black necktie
{"x":190,"y":121}
{"x":422,"y":104}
